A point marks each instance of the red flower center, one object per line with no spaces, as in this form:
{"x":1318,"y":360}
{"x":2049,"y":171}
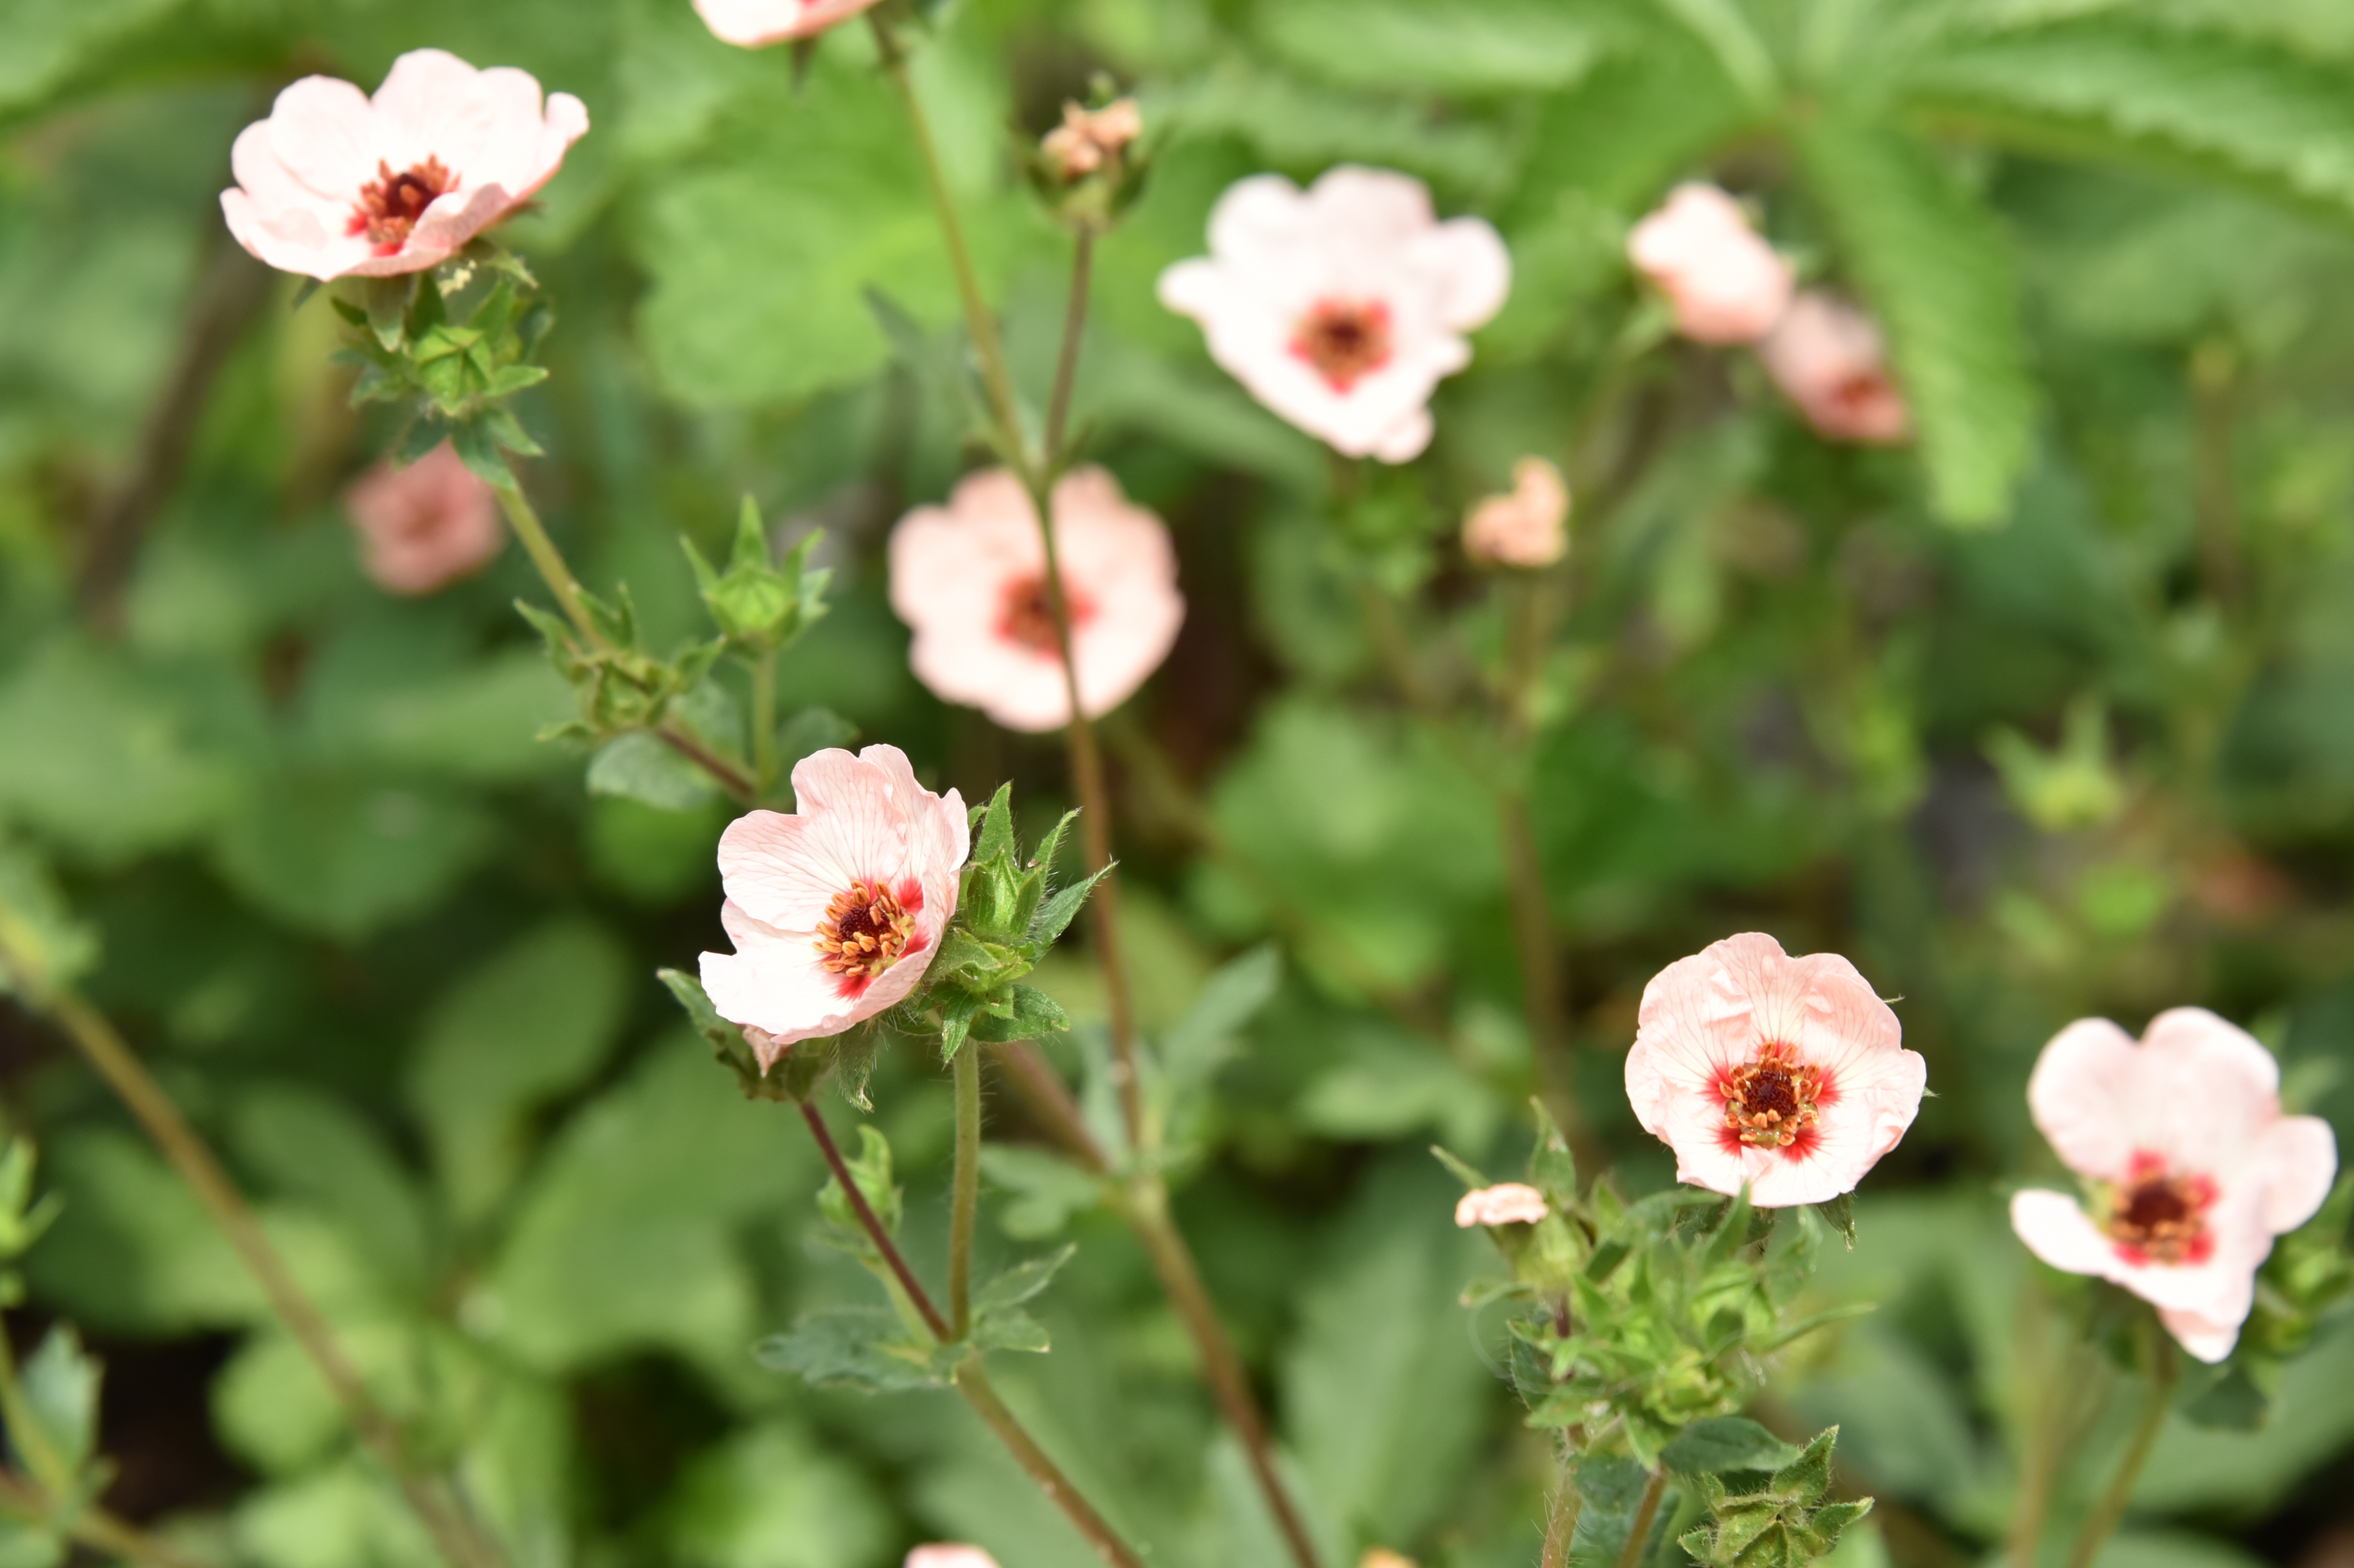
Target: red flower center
{"x":1861,"y":392}
{"x":1025,"y":616}
{"x":1345,"y":340}
{"x":2158,"y":1218}
{"x":1770,"y":1103}
{"x":866,"y":930}
{"x":390,"y":204}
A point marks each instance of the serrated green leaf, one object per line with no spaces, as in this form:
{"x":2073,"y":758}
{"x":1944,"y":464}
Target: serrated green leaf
{"x":1727,"y":1443}
{"x":862,"y":1349}
{"x":1938,"y":272}
{"x":2226,"y":105}
{"x":639,"y":767}
{"x":1023,"y":1282}
{"x":1055,"y":916}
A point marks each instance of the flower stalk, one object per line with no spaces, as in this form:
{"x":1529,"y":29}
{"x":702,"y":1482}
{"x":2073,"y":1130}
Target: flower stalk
{"x":2166,"y":1371}
{"x":460,"y":1542}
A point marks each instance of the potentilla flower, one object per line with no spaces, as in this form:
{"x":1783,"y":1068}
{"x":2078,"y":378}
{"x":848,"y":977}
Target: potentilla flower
{"x":1829,"y":359}
{"x":1506,"y":1203}
{"x":335,"y":183}
{"x":1523,"y":528}
{"x":836,"y":909}
{"x":424,"y":527}
{"x":1341,"y":307}
{"x":2190,"y":1166}
{"x":1727,"y":283}
{"x":749,"y":23}
{"x":971,"y":579}
{"x":1788,"y":1075}
{"x":949,"y":1554}
{"x":1088,"y":137}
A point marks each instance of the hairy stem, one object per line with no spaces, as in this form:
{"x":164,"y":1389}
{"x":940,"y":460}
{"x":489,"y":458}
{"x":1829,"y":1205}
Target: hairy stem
{"x":969,"y":1379}
{"x":180,"y":1144}
{"x":1066,"y":363}
{"x":995,"y":378}
{"x":966,"y":1198}
{"x":1145,"y":1203}
{"x":23,"y":1499}
{"x":2102,"y":1521}
{"x":892,"y":1257}
{"x":764,"y":762}
{"x":524,"y":520}
{"x":1561,"y":1521}
{"x":977,"y":1392}
{"x":1638,"y":1534}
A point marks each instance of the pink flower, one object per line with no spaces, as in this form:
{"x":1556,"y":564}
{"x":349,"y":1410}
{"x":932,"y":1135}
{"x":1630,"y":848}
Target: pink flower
{"x":337,"y":185}
{"x":1341,"y":307}
{"x":1506,"y":1203}
{"x":2192,"y":1167}
{"x":835,"y":911}
{"x":424,"y":527}
{"x":1829,"y":358}
{"x":971,"y":579}
{"x":1524,"y":529}
{"x":752,"y":23}
{"x":1786,"y":1073}
{"x":1727,"y":284}
{"x":1087,"y":137}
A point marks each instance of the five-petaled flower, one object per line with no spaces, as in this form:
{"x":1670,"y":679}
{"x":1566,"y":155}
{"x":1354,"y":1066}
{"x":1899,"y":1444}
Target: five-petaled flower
{"x":971,"y":579}
{"x":836,"y":910}
{"x":2192,"y":1168}
{"x":949,"y":1554}
{"x":750,"y":23}
{"x":1089,"y":138}
{"x":1342,"y":306}
{"x":335,"y":183}
{"x":1828,"y":357}
{"x":1727,"y":285}
{"x":1505,"y":1204}
{"x":1787,"y":1074}
{"x":424,"y":527}
{"x":1523,"y":528}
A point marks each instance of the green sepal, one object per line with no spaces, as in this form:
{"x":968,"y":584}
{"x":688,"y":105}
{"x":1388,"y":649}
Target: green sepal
{"x":1553,"y":1169}
{"x":1839,"y":1214}
{"x":759,"y":605}
{"x":871,"y":1168}
{"x":1033,"y":1014}
{"x":1059,"y":911}
{"x":1782,"y":1523}
{"x":793,"y":1079}
{"x":1461,"y":1169}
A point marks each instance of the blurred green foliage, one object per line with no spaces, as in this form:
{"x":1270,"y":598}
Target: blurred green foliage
{"x":2054,"y":715}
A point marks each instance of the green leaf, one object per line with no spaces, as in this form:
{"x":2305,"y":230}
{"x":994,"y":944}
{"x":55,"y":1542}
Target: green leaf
{"x":2225,"y":105}
{"x":865,"y":1349}
{"x":346,"y":855}
{"x":1448,"y":45}
{"x":479,"y":447}
{"x":1938,"y":272}
{"x":1197,"y":1045}
{"x":812,"y":730}
{"x":1023,"y":1282}
{"x":639,"y":767}
{"x":775,"y":1495}
{"x":1043,"y":1190}
{"x":1034,"y":1013}
{"x":528,"y":1025}
{"x":1610,"y":1490}
{"x":47,"y":941}
{"x":60,"y":1386}
{"x":1839,"y":1214}
{"x":1727,"y":1443}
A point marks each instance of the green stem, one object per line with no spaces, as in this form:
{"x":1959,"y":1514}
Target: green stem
{"x":892,"y":1257}
{"x":31,"y":1438}
{"x":966,"y":1199}
{"x":764,"y":762}
{"x":969,"y":1379}
{"x":2102,"y":1523}
{"x":1561,"y":1522}
{"x":550,"y":562}
{"x":977,"y":1392}
{"x":25,"y":1500}
{"x":1638,"y":1534}
{"x":722,"y":772}
{"x":978,"y":321}
{"x":188,"y":1155}
{"x":1066,"y":365}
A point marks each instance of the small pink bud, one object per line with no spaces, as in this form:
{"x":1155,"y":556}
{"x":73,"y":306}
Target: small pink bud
{"x":2192,"y":1170}
{"x":1341,"y":307}
{"x":1383,"y":1557}
{"x":1523,"y":528}
{"x":1829,"y":358}
{"x":424,"y":527}
{"x":949,"y":1554}
{"x":1089,"y":138}
{"x":1787,"y":1075}
{"x":751,"y":24}
{"x":335,"y":183}
{"x":1506,"y":1203}
{"x":1727,"y":283}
